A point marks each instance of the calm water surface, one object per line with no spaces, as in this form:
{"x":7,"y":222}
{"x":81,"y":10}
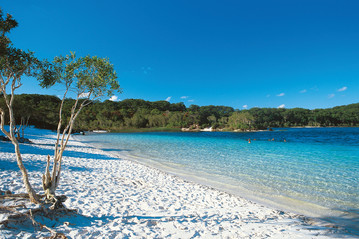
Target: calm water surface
{"x":315,"y":172}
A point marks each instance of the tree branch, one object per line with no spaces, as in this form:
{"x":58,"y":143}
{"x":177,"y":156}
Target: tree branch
{"x":2,"y":122}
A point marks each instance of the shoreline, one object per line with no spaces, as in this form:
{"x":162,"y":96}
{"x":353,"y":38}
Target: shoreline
{"x":120,"y":198}
{"x":169,"y":130}
{"x":320,"y":214}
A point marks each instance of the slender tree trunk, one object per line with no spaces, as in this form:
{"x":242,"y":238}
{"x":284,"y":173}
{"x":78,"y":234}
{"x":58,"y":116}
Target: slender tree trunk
{"x":32,"y":194}
{"x":23,"y":125}
{"x":51,"y":181}
{"x":25,"y":177}
{"x":11,"y":135}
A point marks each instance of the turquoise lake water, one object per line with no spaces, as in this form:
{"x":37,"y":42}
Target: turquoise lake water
{"x":315,"y":172}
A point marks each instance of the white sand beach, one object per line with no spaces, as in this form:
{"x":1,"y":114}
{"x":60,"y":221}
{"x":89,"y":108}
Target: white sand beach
{"x":119,"y":198}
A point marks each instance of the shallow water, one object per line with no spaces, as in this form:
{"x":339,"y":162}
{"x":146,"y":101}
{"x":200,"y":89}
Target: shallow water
{"x":315,"y":172}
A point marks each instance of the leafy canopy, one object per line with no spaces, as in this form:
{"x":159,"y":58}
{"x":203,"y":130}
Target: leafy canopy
{"x":14,"y":62}
{"x":6,"y":25}
{"x":90,"y":77}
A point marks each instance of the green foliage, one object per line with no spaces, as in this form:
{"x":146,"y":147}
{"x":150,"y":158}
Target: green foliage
{"x":240,"y":120}
{"x":96,"y":76}
{"x":6,"y":25}
{"x":16,"y":63}
{"x":89,"y":77}
{"x":133,"y":114}
{"x":207,"y":112}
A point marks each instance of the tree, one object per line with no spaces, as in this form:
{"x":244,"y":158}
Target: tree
{"x":14,"y":64}
{"x":89,"y":78}
{"x":240,"y":120}
{"x":178,"y":107}
{"x":212,"y":120}
{"x":161,"y":105}
{"x":23,"y":113}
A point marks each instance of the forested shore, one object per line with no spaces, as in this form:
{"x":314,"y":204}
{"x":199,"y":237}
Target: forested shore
{"x":134,"y":114}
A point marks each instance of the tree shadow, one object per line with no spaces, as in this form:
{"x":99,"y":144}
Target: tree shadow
{"x":7,"y":165}
{"x":7,"y":147}
{"x":37,"y":166}
{"x":78,"y":169}
{"x":51,"y":219}
{"x":348,"y":223}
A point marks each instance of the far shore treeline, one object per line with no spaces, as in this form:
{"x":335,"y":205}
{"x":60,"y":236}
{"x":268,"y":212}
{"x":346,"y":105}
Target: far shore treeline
{"x":140,"y":115}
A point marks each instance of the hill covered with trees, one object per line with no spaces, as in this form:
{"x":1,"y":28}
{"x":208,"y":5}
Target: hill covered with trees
{"x":134,"y":114}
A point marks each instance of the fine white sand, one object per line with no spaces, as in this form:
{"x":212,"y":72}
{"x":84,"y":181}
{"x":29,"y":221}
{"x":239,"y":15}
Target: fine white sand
{"x":119,"y":198}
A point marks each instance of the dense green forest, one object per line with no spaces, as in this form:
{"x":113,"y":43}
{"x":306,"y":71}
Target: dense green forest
{"x":42,"y":112}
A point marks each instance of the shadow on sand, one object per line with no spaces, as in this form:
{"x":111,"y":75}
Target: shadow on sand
{"x":349,"y":222}
{"x":7,"y":147}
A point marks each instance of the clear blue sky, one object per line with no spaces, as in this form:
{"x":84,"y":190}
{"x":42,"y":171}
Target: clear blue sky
{"x":242,"y":54}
